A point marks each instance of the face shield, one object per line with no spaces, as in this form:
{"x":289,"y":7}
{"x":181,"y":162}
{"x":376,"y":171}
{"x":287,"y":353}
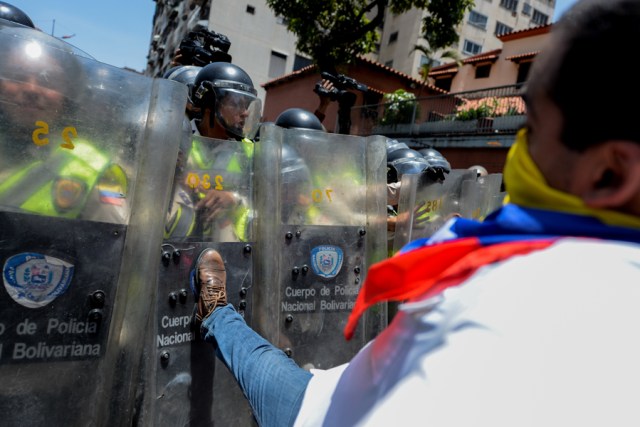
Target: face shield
{"x":238,"y":109}
{"x":402,"y":166}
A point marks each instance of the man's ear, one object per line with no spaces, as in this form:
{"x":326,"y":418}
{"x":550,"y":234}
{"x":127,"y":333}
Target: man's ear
{"x":613,"y":175}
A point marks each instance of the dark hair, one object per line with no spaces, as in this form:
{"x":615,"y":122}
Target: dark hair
{"x":576,"y":79}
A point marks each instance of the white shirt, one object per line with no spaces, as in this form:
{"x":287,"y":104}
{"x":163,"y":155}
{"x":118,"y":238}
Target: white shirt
{"x":550,"y":338}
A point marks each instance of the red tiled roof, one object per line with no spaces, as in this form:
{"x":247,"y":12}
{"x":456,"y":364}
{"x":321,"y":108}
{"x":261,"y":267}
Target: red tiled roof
{"x":500,"y":105}
{"x":527,"y":32}
{"x":310,"y":69}
{"x":490,"y":56}
{"x":519,"y":57}
{"x":444,"y":72}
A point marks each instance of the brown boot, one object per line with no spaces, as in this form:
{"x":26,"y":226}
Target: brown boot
{"x":211,"y":281}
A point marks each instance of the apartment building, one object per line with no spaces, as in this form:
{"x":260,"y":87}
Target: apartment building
{"x":261,"y":44}
{"x":478,"y":31}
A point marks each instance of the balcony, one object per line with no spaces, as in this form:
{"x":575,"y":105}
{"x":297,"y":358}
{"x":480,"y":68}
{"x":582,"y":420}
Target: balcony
{"x":493,"y":112}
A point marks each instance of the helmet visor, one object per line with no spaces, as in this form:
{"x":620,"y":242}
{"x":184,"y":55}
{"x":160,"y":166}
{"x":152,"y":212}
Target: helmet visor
{"x":238,"y":111}
{"x":404,"y":166}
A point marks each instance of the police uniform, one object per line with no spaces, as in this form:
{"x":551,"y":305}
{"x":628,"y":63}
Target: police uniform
{"x":183,"y":221}
{"x":78,"y":183}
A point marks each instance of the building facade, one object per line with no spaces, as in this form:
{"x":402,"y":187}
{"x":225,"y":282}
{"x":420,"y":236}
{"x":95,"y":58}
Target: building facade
{"x":479,"y":31}
{"x":262,"y":45}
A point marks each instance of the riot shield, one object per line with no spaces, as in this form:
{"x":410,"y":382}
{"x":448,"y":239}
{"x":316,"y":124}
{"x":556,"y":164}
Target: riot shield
{"x":87,"y":154}
{"x":321,"y":223}
{"x":195,"y":388}
{"x":442,"y":200}
{"x":480,"y":197}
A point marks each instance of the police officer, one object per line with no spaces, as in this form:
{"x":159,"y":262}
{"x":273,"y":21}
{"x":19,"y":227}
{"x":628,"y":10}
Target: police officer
{"x":186,"y":74}
{"x":480,"y":170}
{"x":299,"y":118}
{"x":74,"y":178}
{"x":227,"y":107}
{"x":440,"y":165}
{"x":401,"y":161}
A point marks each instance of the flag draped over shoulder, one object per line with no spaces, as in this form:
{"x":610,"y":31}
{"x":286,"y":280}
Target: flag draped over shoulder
{"x":425,"y":267}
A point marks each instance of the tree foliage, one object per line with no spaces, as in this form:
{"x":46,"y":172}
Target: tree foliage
{"x":334,"y":32}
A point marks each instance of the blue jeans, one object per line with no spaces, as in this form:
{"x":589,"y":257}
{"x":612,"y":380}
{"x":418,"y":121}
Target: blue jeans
{"x":273,"y":383}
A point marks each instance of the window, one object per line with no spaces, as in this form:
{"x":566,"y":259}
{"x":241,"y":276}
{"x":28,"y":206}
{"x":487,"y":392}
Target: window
{"x":539,"y":18}
{"x":370,"y":100}
{"x":251,"y":9}
{"x":471,"y":48}
{"x":502,"y":28}
{"x":511,"y":5}
{"x":523,"y":71}
{"x":277,"y":65}
{"x":478,"y":20}
{"x":432,"y":62}
{"x":444,"y":83}
{"x":393,"y":37}
{"x":526,"y":9}
{"x":483,"y":71}
{"x":301,"y":62}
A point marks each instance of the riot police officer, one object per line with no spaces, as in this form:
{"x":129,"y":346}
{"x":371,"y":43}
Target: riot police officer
{"x":299,"y":118}
{"x":224,"y":98}
{"x":480,"y":170}
{"x":75,"y":178}
{"x":186,"y":74}
{"x":440,"y":165}
{"x":401,"y":161}
{"x":229,"y":102}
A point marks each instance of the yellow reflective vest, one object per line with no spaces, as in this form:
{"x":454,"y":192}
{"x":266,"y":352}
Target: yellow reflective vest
{"x":61,"y":185}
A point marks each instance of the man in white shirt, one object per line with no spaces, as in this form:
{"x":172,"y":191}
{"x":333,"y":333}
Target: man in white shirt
{"x":526,"y":318}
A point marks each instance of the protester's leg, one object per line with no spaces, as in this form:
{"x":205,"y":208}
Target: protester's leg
{"x":271,"y":381}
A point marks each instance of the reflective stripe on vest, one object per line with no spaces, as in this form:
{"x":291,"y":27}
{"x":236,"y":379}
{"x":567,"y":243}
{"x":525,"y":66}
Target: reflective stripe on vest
{"x":59,"y":186}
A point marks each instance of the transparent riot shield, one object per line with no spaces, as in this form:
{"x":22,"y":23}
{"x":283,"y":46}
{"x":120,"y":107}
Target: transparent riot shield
{"x":193,"y":386}
{"x":480,"y":196}
{"x":441,"y":199}
{"x":87,"y":154}
{"x":321,"y":224}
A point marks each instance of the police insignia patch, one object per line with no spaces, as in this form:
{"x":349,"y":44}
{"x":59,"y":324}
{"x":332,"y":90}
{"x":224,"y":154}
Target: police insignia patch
{"x":326,"y":261}
{"x":34,"y":280}
{"x":67,"y":193}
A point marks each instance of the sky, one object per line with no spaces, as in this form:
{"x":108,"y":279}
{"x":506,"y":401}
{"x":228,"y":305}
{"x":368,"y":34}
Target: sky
{"x":561,"y":6}
{"x":116,"y":32}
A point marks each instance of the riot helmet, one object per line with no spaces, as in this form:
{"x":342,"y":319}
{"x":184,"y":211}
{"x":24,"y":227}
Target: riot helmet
{"x":439,"y":164}
{"x":402,"y":161}
{"x":186,"y":74}
{"x":436,"y":159}
{"x":13,"y":14}
{"x":228,"y":92}
{"x":298,"y":118}
{"x":394,"y":144}
{"x":480,"y":170}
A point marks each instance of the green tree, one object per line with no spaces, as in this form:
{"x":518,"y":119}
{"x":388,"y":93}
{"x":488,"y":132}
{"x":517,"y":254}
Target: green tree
{"x":334,"y":32}
{"x":439,"y":31}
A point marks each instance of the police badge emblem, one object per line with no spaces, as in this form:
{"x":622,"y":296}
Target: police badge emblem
{"x":34,"y":280}
{"x":326,"y":261}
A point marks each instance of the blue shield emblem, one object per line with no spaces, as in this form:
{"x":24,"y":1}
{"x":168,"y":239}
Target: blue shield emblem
{"x":326,"y":261}
{"x":34,"y":280}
